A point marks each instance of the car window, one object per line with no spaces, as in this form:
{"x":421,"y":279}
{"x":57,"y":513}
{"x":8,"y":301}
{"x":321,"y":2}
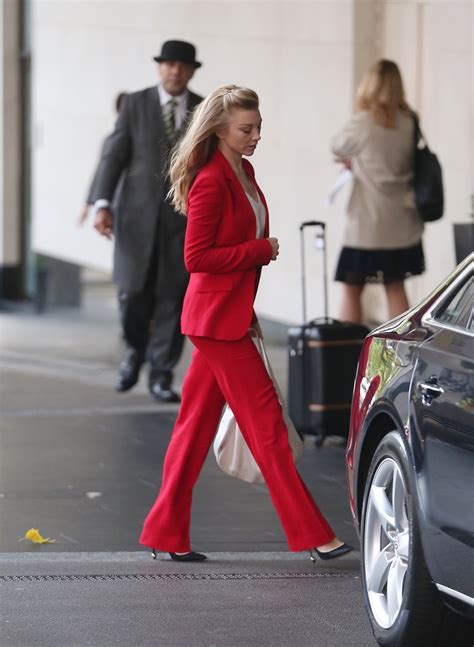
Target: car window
{"x":459,"y":309}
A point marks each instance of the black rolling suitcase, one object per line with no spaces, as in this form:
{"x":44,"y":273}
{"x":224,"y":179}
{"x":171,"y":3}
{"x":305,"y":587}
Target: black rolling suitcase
{"x":323,"y":356}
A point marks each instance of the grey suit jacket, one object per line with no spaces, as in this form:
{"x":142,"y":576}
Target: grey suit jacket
{"x":138,"y":151}
{"x":90,"y":200}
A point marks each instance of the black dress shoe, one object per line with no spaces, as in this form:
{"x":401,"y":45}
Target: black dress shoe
{"x":331,"y":554}
{"x":187,"y":557}
{"x":129,"y":372}
{"x":163,"y":392}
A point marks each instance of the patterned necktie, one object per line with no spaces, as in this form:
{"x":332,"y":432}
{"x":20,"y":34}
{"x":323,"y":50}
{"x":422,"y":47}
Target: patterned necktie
{"x":169,"y":121}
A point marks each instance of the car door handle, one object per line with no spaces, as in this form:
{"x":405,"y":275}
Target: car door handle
{"x":429,"y":390}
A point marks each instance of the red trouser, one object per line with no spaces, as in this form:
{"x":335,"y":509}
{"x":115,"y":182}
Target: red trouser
{"x":231,"y":371}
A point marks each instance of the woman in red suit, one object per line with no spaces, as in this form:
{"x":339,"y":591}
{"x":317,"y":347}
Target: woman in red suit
{"x":227,"y":243}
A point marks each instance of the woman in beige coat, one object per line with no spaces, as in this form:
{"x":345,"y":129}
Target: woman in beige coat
{"x":382,"y":239}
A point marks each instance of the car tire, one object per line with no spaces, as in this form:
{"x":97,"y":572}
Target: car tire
{"x":403,"y":604}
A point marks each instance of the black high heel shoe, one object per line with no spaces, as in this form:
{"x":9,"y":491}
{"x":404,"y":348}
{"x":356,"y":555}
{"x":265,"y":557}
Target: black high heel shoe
{"x":187,"y":557}
{"x":330,"y":554}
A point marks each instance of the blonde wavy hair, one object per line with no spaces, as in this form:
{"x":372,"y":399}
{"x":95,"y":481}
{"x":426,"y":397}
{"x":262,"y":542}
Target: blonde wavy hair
{"x":381,"y":92}
{"x":200,"y":140}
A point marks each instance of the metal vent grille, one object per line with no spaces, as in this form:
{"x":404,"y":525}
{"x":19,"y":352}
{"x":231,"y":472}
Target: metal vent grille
{"x":175,"y":576}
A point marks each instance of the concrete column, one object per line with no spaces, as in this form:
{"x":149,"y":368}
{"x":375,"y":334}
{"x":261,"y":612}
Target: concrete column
{"x":10,"y":151}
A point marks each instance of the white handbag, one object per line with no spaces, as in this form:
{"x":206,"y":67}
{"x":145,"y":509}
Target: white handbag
{"x":232,"y":452}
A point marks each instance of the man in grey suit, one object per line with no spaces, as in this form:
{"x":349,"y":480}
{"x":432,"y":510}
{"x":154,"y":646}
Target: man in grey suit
{"x":149,"y":234}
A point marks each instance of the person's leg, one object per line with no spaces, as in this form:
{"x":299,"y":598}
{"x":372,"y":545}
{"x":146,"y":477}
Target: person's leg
{"x":136,"y":308}
{"x":135,"y":311}
{"x":247,"y":387}
{"x":166,"y":340}
{"x":351,"y":306}
{"x":396,"y":297}
{"x":167,"y":524}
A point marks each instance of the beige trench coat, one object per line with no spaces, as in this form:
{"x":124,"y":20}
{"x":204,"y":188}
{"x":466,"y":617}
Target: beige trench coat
{"x":381,"y":213}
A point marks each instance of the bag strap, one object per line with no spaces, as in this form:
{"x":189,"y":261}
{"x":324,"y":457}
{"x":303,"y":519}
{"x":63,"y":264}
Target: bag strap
{"x":263,"y":352}
{"x":418,"y":132}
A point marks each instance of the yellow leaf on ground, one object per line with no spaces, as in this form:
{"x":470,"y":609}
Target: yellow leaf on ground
{"x":33,"y":534}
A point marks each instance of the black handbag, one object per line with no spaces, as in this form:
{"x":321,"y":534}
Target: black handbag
{"x":428,"y":179}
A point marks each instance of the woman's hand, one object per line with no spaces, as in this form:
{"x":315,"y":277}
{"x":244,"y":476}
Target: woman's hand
{"x":275,"y":247}
{"x":345,"y":161}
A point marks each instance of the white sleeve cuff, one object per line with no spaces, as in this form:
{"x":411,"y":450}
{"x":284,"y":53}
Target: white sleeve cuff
{"x":101,"y":204}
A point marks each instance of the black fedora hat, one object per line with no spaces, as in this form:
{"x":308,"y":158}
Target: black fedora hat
{"x":178,"y":50}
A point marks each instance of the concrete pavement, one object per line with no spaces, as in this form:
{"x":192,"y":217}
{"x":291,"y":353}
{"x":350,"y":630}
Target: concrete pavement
{"x":82,"y":464}
{"x":245,"y":599}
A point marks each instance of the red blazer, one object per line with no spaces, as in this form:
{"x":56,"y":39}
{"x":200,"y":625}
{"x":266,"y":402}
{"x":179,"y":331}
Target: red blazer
{"x":221,"y":253}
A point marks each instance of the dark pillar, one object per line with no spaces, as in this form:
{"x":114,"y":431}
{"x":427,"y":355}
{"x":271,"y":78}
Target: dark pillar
{"x":11,"y":282}
{"x":58,"y":284}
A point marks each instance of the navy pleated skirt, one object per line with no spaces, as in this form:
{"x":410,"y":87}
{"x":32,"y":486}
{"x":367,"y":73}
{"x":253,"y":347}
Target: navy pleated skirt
{"x":359,"y":266}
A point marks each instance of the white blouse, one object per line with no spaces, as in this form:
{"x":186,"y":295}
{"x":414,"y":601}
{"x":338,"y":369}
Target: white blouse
{"x":260,"y":213}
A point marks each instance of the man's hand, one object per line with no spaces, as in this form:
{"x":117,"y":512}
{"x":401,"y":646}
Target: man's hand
{"x":275,"y":247}
{"x":103,"y":222}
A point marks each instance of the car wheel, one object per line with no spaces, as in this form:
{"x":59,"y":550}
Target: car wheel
{"x":404,"y":607}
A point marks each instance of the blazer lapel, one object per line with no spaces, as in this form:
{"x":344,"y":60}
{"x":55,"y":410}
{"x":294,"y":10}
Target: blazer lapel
{"x":245,"y":210}
{"x":156,"y":126}
{"x":154,"y":115}
{"x":193,"y":101}
{"x":264,"y":202}
{"x":251,"y":175}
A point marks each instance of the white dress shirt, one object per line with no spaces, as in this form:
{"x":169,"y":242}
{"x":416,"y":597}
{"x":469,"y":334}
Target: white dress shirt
{"x":181,"y":105}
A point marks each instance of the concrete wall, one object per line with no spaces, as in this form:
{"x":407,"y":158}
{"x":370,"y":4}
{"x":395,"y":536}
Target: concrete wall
{"x":303,"y":58}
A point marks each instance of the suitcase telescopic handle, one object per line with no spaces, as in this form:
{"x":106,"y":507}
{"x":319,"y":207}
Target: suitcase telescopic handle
{"x":312,"y":223}
{"x":322,"y":226}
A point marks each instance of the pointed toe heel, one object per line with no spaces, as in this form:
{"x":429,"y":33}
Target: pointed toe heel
{"x":188,"y":557}
{"x":330,"y":554}
{"x":153,"y":553}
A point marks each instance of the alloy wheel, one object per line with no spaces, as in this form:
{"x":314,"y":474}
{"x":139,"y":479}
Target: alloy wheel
{"x":386,"y":542}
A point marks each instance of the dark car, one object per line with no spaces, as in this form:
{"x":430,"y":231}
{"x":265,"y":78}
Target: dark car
{"x":410,"y":469}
